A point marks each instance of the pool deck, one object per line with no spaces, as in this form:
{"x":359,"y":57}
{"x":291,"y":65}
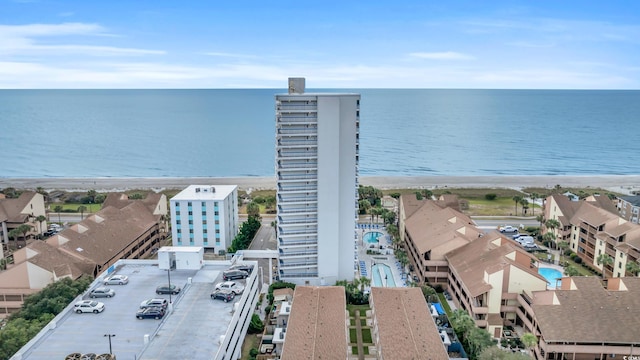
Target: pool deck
{"x":388,"y":258}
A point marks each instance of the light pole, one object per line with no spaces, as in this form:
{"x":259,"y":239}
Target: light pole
{"x":169,"y":276}
{"x":110,"y":336}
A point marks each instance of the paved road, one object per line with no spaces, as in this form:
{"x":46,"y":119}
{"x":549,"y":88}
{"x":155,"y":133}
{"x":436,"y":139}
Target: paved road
{"x":489,"y":224}
{"x":265,"y":239}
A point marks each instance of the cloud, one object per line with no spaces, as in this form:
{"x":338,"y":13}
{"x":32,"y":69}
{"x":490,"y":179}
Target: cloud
{"x":230,"y":55}
{"x":22,"y":40}
{"x":447,"y":55}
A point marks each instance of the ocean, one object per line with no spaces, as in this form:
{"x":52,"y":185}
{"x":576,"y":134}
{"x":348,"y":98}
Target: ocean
{"x":413,"y":132}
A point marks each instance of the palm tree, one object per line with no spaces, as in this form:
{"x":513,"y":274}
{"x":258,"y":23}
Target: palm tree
{"x":517,"y":200}
{"x":540,"y":219}
{"x":548,"y":238}
{"x":525,"y":206}
{"x":363,"y":282}
{"x":633,"y":267}
{"x":40,"y":219}
{"x":24,"y":229}
{"x":461,"y":322}
{"x":15,"y":234}
{"x":529,"y":340}
{"x":562,"y":245}
{"x":552,"y":225}
{"x":58,"y":209}
{"x":534,"y":197}
{"x":604,"y":260}
{"x":81,"y":210}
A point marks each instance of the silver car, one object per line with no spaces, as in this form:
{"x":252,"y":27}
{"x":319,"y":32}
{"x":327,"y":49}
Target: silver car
{"x":116,"y":280}
{"x":102,"y":292}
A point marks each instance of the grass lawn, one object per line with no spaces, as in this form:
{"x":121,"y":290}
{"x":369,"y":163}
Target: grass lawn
{"x":354,"y":350}
{"x":362,"y":308}
{"x":250,"y":341}
{"x":365,"y":350}
{"x":363,"y":322}
{"x":91,"y":208}
{"x":366,"y":336}
{"x":445,"y":304}
{"x":353,"y":338}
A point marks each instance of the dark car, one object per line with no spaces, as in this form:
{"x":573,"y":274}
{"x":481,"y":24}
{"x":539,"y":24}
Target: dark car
{"x":167,"y":289}
{"x":243,"y":267}
{"x":234,"y":274}
{"x":224,"y":295}
{"x":150,"y":313}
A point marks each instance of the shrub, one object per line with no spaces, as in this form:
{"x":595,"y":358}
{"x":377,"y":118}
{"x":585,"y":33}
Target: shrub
{"x":578,"y":260}
{"x":256,"y":325}
{"x":568,"y":252}
{"x":490,"y":197}
{"x":438,"y":288}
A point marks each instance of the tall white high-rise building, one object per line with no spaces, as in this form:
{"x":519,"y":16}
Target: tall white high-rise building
{"x":317,"y":184}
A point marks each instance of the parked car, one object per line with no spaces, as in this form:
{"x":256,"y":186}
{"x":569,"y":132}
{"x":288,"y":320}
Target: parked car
{"x":50,"y":232}
{"x":116,"y":280}
{"x":102,"y":292}
{"x":516,"y":235}
{"x":234,"y":274}
{"x":243,"y":267}
{"x":525,"y":239}
{"x":163,"y":303}
{"x":150,"y":313}
{"x":168,"y":289}
{"x":224,"y":295}
{"x":232,"y":286}
{"x":88,"y":306}
{"x":508,"y":229}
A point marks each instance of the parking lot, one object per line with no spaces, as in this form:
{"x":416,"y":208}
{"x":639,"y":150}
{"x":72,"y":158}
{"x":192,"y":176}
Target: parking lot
{"x":192,"y":329}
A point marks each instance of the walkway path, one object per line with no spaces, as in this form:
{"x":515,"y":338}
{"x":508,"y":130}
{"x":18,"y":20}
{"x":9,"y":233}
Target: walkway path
{"x":359,"y":335}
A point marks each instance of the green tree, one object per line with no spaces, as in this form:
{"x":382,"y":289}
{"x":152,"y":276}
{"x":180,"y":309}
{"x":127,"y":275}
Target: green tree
{"x":633,"y":268}
{"x":525,"y":206}
{"x":477,"y":340}
{"x":562,"y":245}
{"x":253,"y":209}
{"x":40,"y":219}
{"x":256,"y":325}
{"x":571,"y":270}
{"x":490,"y":197}
{"x":429,"y":293}
{"x":427,"y":193}
{"x":461,"y":322}
{"x":81,"y":210}
{"x":363,"y":282}
{"x":604,"y":260}
{"x":363,"y":206}
{"x":91,"y":195}
{"x":517,"y":200}
{"x":24,"y":229}
{"x":58,"y":209}
{"x":419,"y":195}
{"x":540,"y":218}
{"x":15,"y":234}
{"x":389,"y":217}
{"x":529,"y":340}
{"x":495,"y":353}
{"x":534,"y":197}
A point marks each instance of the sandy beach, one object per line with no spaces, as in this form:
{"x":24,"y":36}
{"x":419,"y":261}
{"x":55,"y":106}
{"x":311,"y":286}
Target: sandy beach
{"x":618,"y":183}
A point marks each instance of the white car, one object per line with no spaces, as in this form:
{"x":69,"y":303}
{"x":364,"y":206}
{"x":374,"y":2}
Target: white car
{"x":508,"y":229}
{"x":88,"y":306}
{"x":232,"y":286}
{"x":116,"y":280}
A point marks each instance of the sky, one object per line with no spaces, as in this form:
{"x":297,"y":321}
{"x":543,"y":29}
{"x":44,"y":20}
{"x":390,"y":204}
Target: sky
{"x":501,"y":44}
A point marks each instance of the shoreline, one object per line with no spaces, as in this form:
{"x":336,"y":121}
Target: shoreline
{"x":617,"y":183}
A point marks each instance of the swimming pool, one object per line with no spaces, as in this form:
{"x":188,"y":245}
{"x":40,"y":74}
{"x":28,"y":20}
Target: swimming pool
{"x":551,"y":275}
{"x":372,"y":236}
{"x":378,"y":280}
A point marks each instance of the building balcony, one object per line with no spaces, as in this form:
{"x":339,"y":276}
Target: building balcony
{"x":295,"y":189}
{"x":296,"y":178}
{"x":298,"y":155}
{"x":286,"y":232}
{"x":290,"y":143}
{"x":296,"y":244}
{"x":294,"y":222}
{"x":285,"y":108}
{"x":284,"y":209}
{"x":297,"y":274}
{"x":296,"y":264}
{"x":291,"y":254}
{"x":297,"y":215}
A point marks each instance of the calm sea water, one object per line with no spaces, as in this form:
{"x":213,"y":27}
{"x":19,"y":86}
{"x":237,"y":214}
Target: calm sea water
{"x":159,"y":133}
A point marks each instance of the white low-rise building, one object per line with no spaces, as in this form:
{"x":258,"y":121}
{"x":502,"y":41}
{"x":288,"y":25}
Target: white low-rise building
{"x":205,"y":215}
